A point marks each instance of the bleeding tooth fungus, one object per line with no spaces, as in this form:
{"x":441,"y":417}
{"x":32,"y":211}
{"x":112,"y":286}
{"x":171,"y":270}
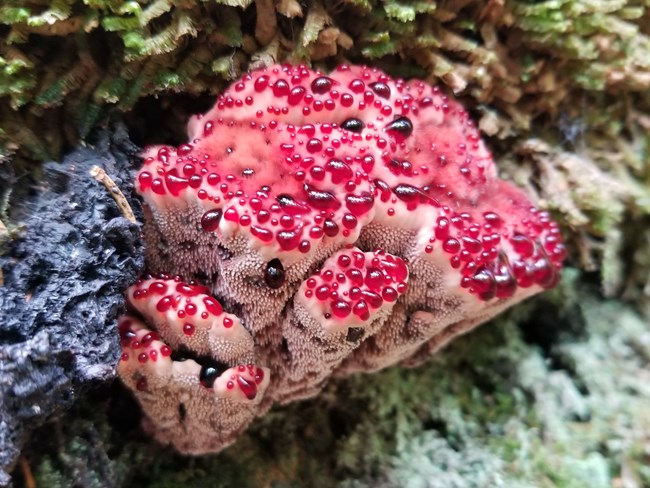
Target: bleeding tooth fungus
{"x":352,"y":220}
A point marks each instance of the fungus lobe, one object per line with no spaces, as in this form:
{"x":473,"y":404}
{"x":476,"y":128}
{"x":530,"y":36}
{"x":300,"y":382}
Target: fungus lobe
{"x":372,"y":211}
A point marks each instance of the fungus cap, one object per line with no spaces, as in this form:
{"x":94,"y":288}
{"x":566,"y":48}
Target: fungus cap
{"x":349,"y":221}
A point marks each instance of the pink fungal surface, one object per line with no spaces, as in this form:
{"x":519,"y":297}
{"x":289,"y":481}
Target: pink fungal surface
{"x":348,"y":222}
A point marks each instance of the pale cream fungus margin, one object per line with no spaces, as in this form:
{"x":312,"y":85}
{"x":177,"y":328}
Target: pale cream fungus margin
{"x":347,"y":221}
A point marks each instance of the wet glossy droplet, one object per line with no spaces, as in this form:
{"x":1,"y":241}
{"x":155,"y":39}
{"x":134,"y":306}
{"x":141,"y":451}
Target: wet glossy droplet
{"x":353,"y":125}
{"x":401,"y":127}
{"x":274,"y":274}
{"x":210,"y":220}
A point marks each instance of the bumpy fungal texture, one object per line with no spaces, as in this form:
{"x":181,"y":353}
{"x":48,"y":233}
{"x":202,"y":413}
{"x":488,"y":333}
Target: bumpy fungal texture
{"x":348,"y":221}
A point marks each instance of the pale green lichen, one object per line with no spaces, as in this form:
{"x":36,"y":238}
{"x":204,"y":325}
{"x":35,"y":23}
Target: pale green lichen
{"x":573,"y":415}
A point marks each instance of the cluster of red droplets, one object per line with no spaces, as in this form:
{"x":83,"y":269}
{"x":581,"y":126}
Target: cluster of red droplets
{"x":331,"y":162}
{"x":352,"y":285}
{"x":334,"y":149}
{"x":246,"y":379}
{"x":182,"y":298}
{"x":475,"y":248}
{"x":129,"y":339}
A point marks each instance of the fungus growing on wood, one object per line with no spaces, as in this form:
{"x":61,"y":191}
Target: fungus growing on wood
{"x":352,"y":221}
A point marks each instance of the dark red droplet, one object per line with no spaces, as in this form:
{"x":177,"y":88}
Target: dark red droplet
{"x":288,"y":239}
{"x":212,"y":306}
{"x":484,"y":283}
{"x":523,"y":245}
{"x":280,"y":88}
{"x":175,"y":184}
{"x":341,"y":309}
{"x":472,"y":245}
{"x":353,"y":125}
{"x":349,"y":221}
{"x":442,"y":228}
{"x":274,"y":275}
{"x":400,"y":128}
{"x":330,"y":229}
{"x":321,"y":200}
{"x":144,"y":179}
{"x":344,"y":261}
{"x":373,"y":299}
{"x":381,"y":89}
{"x":361,"y":310}
{"x":321,"y":85}
{"x":374,"y":278}
{"x":187,"y":290}
{"x":339,"y":170}
{"x":492,"y":218}
{"x":158,"y":287}
{"x":262,"y":233}
{"x":389,"y":294}
{"x":296,"y":94}
{"x":141,"y":384}
{"x":451,"y":246}
{"x":164,"y":304}
{"x":546,"y":275}
{"x":506,"y":285}
{"x":314,"y":145}
{"x":347,"y":100}
{"x":210,"y":220}
{"x":261,"y":83}
{"x":409,"y":193}
{"x":359,"y":204}
{"x":357,"y":86}
{"x":291,"y":205}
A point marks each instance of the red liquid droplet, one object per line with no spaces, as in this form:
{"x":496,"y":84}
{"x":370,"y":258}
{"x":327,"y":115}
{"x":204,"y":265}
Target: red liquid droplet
{"x":522,"y":245}
{"x":296,"y":94}
{"x":158,"y":287}
{"x":164,"y":304}
{"x":210,"y":220}
{"x":321,"y":85}
{"x":341,"y":309}
{"x":359,"y":204}
{"x":247,"y":387}
{"x":212,"y":306}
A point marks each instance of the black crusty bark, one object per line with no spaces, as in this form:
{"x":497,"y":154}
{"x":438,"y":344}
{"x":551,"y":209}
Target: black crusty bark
{"x":63,"y":289}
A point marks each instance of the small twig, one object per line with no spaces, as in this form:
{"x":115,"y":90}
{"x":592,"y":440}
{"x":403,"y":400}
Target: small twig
{"x":100,"y":175}
{"x":30,"y":482}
